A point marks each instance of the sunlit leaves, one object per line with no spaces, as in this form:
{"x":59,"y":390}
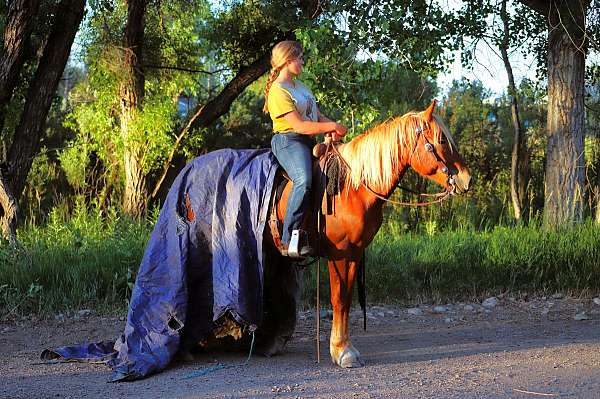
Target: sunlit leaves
{"x":172,"y":42}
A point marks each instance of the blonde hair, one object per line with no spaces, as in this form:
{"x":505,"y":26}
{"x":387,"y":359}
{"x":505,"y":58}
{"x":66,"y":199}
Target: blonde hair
{"x":283,"y":52}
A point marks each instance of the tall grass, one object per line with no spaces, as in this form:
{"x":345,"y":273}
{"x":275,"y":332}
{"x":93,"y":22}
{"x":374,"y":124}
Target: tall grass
{"x":89,"y":259}
{"x":460,"y":264}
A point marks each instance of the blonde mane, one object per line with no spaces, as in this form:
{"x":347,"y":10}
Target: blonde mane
{"x":374,"y":155}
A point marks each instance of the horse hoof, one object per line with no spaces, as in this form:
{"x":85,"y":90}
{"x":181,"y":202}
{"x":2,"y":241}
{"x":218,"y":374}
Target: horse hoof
{"x":184,"y":357}
{"x":349,"y":358}
{"x":273,"y":348}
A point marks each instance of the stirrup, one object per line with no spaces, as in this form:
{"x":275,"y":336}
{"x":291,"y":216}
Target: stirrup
{"x":298,"y":247}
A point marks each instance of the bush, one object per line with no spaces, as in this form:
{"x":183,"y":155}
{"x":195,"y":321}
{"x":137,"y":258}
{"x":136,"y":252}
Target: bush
{"x":89,"y":259}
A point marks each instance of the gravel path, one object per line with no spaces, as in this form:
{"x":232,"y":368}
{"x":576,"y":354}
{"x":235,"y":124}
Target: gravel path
{"x":537,"y":348}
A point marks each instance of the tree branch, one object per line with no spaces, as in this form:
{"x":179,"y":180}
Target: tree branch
{"x":183,"y":69}
{"x":540,"y":6}
{"x":205,"y":114}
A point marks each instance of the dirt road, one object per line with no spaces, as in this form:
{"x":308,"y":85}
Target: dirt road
{"x":540,"y":348}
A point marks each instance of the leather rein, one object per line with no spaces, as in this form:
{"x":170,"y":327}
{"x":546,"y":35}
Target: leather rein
{"x":439,"y":197}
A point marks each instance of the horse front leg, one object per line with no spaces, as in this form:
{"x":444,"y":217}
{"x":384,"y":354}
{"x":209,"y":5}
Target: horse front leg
{"x":342,"y":274}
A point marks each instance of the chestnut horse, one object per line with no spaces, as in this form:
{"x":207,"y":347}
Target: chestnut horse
{"x":376,"y":161}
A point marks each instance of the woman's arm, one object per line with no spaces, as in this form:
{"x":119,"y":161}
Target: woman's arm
{"x":322,"y":118}
{"x":302,"y":126}
{"x":338,"y":134}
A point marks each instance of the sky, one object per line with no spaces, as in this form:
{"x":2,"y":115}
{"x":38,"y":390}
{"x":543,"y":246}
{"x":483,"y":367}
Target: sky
{"x":488,"y":68}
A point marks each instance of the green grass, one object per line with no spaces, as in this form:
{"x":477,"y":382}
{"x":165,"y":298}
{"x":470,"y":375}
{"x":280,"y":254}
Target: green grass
{"x":465,"y":263}
{"x":88,"y":260}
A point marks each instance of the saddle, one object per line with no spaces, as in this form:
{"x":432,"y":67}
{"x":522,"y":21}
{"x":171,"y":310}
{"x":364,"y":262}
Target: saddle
{"x":327,"y":174}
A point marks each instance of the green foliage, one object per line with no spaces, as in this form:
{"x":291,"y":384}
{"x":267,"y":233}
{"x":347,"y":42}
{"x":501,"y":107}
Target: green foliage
{"x":459,"y":263}
{"x":414,"y":33}
{"x":79,"y":259}
{"x":74,"y":161}
{"x":473,"y":121}
{"x":359,"y":92}
{"x":89,"y":258}
{"x":242,"y":31}
{"x":172,"y":44}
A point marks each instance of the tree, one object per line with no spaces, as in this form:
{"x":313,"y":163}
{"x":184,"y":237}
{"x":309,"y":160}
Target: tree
{"x":17,"y":30}
{"x":504,"y":31}
{"x":131,"y":96}
{"x":519,"y":160}
{"x":19,"y":21}
{"x":27,"y":135}
{"x":566,"y":53}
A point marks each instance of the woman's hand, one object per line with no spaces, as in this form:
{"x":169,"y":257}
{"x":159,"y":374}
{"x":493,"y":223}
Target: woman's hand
{"x":339,"y":131}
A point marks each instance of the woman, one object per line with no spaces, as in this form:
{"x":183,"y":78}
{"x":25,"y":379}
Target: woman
{"x":296,"y":118}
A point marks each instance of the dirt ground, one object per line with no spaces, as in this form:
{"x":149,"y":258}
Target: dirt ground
{"x":536,"y":348}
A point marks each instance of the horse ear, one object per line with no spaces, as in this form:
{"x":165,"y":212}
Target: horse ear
{"x":429,"y":111}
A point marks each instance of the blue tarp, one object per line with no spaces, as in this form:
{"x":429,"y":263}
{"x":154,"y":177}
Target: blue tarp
{"x":204,"y":259}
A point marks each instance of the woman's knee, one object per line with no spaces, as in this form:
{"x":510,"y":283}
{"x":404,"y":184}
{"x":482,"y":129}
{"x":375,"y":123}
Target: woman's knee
{"x":302,"y":180}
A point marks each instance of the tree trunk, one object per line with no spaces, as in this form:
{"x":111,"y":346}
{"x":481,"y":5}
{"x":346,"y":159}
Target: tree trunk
{"x":16,"y":33}
{"x":564,"y":191}
{"x":28,"y":134}
{"x":131,"y":93}
{"x":9,"y":207}
{"x":565,"y":166}
{"x":519,"y":160}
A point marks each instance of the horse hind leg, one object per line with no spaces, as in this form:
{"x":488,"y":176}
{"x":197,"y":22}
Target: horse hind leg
{"x":283,"y":284}
{"x":342,"y":274}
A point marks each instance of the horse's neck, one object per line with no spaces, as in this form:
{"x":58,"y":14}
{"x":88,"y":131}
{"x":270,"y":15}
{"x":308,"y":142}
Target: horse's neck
{"x":387,"y":190}
{"x":383,"y":188}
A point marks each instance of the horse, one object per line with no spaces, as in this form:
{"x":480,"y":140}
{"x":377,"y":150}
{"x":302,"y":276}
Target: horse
{"x":375,"y":162}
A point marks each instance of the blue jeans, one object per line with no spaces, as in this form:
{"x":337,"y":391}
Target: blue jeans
{"x":293,"y":151}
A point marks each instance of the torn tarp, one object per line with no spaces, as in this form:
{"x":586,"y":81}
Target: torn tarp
{"x":204,"y":259}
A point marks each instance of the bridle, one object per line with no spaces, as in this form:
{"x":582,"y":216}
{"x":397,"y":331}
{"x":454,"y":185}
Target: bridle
{"x":439,"y":197}
{"x":419,"y":132}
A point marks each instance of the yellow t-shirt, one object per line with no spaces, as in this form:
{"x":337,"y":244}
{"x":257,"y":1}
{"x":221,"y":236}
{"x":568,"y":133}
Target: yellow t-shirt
{"x":284,"y":98}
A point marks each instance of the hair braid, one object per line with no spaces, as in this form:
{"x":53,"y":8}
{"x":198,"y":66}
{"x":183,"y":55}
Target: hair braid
{"x":272,"y":76}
